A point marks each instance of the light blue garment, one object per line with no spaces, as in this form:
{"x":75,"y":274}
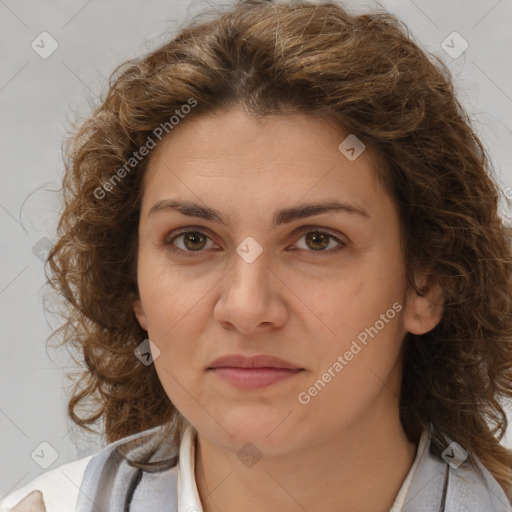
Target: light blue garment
{"x":111,"y":484}
{"x":438,"y":487}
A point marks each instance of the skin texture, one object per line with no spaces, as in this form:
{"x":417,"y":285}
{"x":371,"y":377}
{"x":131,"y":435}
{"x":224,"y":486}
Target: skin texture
{"x":304,"y":305}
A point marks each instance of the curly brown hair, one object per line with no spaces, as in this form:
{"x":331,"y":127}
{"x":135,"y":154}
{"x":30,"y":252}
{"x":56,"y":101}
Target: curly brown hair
{"x":366,"y":74}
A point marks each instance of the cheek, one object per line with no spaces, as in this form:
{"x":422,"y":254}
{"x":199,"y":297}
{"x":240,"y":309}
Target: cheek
{"x":173,"y":326}
{"x":352,"y":374}
{"x":341,"y":307}
{"x":168,"y":295}
{"x":363,"y":317}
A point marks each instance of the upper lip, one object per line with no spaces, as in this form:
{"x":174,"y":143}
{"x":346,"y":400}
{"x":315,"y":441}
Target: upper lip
{"x":259,"y":361}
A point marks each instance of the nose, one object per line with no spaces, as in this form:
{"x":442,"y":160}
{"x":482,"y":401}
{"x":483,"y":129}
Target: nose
{"x":250,"y":298}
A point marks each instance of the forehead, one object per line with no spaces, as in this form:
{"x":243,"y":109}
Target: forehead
{"x":231,"y":155}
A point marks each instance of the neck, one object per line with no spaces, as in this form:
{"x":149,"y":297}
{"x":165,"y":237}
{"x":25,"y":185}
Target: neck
{"x":341,"y":471}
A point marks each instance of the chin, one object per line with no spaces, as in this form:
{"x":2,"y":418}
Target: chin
{"x":269,"y":434}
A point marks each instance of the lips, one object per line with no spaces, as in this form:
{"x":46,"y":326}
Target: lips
{"x":259,"y":361}
{"x":252,"y":373}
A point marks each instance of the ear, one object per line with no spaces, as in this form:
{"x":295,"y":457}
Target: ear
{"x":423,"y":311}
{"x":139,"y":313}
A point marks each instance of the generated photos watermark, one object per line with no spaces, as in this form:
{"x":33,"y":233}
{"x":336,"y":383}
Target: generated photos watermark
{"x":137,"y":156}
{"x":304,"y":397}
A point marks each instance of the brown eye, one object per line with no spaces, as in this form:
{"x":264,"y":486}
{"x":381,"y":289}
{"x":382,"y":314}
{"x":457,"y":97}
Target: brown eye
{"x":317,"y":241}
{"x":194,"y":240}
{"x":191,"y":242}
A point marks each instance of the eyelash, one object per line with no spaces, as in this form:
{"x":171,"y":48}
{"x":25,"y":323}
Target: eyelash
{"x":194,"y":254}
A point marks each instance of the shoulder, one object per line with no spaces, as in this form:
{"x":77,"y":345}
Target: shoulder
{"x":448,"y":478}
{"x":474,"y":486}
{"x":54,"y":490}
{"x":62,"y":489}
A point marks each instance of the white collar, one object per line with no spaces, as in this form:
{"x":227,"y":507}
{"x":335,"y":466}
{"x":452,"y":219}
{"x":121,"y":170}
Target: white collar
{"x":188,"y":495}
{"x":400,"y":498}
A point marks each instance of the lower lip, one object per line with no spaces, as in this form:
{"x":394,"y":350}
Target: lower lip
{"x":254,"y":378}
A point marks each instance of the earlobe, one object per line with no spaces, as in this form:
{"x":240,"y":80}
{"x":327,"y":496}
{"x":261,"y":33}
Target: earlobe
{"x":139,"y":313}
{"x":423,"y":312}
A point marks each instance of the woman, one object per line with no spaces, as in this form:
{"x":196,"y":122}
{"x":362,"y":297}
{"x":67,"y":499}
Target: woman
{"x":283,"y":262}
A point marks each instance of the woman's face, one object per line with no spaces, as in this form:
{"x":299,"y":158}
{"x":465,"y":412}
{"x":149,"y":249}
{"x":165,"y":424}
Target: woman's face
{"x":324,"y":291}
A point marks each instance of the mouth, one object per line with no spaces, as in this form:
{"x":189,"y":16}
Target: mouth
{"x":259,"y":361}
{"x":254,"y":372}
{"x":254,"y":378}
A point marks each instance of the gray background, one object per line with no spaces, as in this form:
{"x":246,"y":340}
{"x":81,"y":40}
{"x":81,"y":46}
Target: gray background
{"x":38,"y":100}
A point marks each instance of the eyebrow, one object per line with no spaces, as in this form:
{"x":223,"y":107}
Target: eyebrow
{"x":283,"y":216}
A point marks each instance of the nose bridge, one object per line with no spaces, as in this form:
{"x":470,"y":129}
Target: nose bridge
{"x":250,"y":272}
{"x":247,"y":297}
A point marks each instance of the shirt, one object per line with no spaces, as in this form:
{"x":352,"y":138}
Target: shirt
{"x":107,"y":482}
{"x":188,"y":496}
